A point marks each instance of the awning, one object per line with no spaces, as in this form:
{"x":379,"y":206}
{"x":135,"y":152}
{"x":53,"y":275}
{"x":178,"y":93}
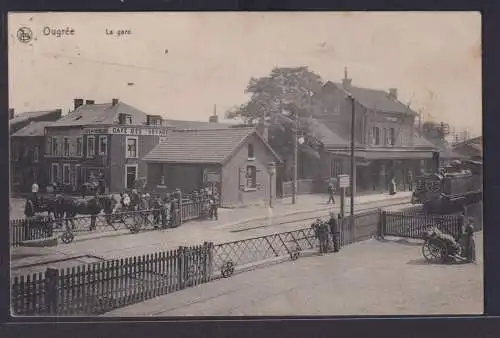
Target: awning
{"x":388,"y":155}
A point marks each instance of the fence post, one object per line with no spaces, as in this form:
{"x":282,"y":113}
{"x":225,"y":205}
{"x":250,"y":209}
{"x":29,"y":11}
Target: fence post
{"x":381,"y":224}
{"x":207,"y":261}
{"x":51,"y":288}
{"x":181,"y":266}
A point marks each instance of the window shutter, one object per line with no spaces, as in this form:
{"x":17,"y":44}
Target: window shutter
{"x":257,"y":180}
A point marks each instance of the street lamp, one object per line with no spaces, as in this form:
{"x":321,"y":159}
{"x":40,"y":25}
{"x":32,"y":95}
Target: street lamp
{"x":272,"y":172}
{"x":296,"y":141}
{"x":353,"y":158}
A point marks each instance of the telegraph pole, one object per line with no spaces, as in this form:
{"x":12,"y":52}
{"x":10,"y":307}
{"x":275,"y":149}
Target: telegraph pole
{"x":295,"y":161}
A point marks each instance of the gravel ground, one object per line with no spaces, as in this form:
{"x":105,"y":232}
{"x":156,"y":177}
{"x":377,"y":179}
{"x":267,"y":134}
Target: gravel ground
{"x":368,"y":278}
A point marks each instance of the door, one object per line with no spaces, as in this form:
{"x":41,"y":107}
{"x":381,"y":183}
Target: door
{"x":130,"y":176}
{"x":279,"y":181}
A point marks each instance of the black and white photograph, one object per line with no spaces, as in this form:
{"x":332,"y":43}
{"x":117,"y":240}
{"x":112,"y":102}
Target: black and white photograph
{"x":168,"y":164}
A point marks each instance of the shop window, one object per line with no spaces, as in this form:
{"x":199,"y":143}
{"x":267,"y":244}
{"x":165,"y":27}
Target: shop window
{"x":251,"y":177}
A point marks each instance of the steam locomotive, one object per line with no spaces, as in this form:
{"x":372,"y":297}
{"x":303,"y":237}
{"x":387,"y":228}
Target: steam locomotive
{"x":451,"y":188}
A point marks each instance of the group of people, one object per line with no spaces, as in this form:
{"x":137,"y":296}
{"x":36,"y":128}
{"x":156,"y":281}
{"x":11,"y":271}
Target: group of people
{"x":328,"y":233}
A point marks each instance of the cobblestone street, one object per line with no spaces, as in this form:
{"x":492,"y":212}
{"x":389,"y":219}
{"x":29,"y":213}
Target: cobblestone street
{"x":368,"y":278}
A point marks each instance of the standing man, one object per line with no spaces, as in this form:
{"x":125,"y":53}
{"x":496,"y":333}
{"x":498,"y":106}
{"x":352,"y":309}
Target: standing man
{"x":331,"y":192}
{"x":334,"y":230}
{"x":410,"y":180}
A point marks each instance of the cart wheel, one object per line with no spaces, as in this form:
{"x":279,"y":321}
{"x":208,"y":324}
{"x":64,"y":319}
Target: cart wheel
{"x":295,"y":254}
{"x":227,"y":269}
{"x":67,"y":237}
{"x":434,"y":251}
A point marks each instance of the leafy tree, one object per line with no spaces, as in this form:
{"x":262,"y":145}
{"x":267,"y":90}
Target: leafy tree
{"x":283,"y":100}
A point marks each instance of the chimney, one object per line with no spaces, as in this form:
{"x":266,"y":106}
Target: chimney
{"x":78,"y":103}
{"x":393,"y":93}
{"x":346,"y":81}
{"x":11,"y":113}
{"x":58,"y":113}
{"x":114,"y":102}
{"x":214,"y":118}
{"x":89,"y":102}
{"x":263,"y":130}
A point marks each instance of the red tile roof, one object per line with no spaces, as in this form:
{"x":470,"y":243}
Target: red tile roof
{"x":200,"y":146}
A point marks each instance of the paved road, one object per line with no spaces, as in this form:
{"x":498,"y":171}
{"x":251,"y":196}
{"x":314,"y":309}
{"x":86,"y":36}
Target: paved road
{"x":368,"y":278}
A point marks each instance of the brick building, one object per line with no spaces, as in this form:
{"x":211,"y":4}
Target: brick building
{"x":19,"y":121}
{"x":109,"y":139}
{"x":235,"y":159}
{"x":387,"y":142}
{"x":27,"y":147}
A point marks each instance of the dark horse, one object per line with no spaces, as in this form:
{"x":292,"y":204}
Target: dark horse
{"x":38,"y":204}
{"x":69,"y":207}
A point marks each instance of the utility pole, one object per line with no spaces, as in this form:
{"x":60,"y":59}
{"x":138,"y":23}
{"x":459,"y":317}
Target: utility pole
{"x":295,"y":160}
{"x":353,"y":158}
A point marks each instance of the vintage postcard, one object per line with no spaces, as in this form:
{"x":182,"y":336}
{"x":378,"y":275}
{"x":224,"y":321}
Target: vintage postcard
{"x":245,"y":163}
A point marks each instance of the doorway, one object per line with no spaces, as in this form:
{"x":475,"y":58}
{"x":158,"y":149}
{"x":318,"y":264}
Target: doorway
{"x":130,"y":176}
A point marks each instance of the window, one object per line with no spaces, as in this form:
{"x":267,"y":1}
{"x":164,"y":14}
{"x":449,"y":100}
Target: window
{"x":103,"y":145}
{"x":66,"y":173}
{"x":35,"y":174}
{"x":131,"y":151}
{"x":36,"y":154}
{"x":375,"y":136}
{"x":54,"y":173}
{"x":55,"y":147}
{"x":251,"y":177}
{"x":251,"y":154}
{"x":124,"y":118}
{"x":79,"y":146}
{"x":66,"y":147}
{"x":392,"y":136}
{"x":90,"y":146}
{"x":15,"y":152}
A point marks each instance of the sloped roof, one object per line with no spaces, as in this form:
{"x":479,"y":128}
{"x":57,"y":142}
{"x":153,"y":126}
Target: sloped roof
{"x":101,"y":113}
{"x":33,"y":129}
{"x":182,"y":124}
{"x":375,"y":99}
{"x":30,"y":115}
{"x":327,"y":136}
{"x":201,"y":146}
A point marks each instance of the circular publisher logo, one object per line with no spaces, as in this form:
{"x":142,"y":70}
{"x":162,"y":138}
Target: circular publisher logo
{"x":24,"y":34}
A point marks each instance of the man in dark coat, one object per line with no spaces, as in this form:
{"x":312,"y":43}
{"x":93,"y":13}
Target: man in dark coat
{"x":334,"y":225}
{"x":214,"y":206}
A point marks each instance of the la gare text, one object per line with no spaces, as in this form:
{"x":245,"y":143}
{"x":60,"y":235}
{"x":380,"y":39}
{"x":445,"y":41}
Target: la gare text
{"x":118,"y":32}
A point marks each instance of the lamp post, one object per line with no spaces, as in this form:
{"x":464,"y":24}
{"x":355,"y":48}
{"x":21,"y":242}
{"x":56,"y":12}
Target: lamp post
{"x":296,"y":141}
{"x":353,"y":158}
{"x":272,"y":172}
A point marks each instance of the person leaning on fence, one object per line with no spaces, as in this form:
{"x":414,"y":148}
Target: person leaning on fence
{"x":214,"y":205}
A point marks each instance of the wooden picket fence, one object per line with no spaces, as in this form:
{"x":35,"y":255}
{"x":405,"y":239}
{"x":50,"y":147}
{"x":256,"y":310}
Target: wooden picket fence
{"x":96,"y":288}
{"x":22,"y":230}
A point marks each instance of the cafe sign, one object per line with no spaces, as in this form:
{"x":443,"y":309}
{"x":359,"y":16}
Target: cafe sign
{"x":134,"y":131}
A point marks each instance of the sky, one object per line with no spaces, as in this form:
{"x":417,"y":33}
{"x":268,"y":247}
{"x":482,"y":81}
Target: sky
{"x":180,"y":65}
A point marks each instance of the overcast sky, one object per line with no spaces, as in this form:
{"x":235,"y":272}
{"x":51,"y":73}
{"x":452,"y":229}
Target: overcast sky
{"x":181,"y":64}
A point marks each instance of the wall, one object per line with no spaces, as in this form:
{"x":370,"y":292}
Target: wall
{"x":24,"y":167}
{"x":118,"y":160}
{"x":403,"y":126}
{"x":234,"y":192}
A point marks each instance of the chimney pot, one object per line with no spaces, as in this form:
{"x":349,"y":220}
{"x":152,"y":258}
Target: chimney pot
{"x":393,"y":92}
{"x":78,"y":103}
{"x":346,"y":83}
{"x":11,"y":113}
{"x":115,"y":102}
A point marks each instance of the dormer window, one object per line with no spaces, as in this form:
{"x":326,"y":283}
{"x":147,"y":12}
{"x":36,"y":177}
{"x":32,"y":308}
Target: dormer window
{"x":153,"y":120}
{"x":124,"y":118}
